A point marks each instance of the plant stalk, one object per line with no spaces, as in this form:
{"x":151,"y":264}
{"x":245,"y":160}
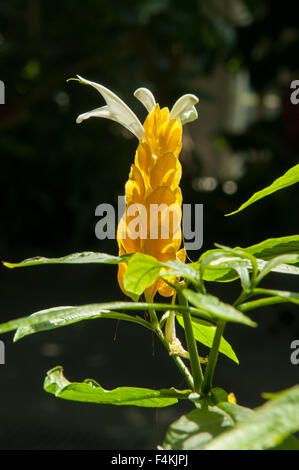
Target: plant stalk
{"x":177,"y":360}
{"x":261,"y":303}
{"x":213,"y":356}
{"x":152,"y":312}
{"x":192,"y":348}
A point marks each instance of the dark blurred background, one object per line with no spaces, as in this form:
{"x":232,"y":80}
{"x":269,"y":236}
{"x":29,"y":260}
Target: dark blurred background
{"x":239,"y":57}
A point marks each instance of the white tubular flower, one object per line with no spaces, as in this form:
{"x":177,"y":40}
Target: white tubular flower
{"x":175,"y":346}
{"x":116,"y":110}
{"x":146,"y":97}
{"x":170,"y":333}
{"x":184,"y":109}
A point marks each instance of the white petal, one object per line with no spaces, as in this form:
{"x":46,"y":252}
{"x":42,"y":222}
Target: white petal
{"x":184,"y":105}
{"x":146,"y":97}
{"x":189,"y":115}
{"x":115,"y":110}
{"x":98,"y":112}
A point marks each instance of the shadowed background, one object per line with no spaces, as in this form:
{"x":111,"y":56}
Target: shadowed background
{"x":239,"y":57}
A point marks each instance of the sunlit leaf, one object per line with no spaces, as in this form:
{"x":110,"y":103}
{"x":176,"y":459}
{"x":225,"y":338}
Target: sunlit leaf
{"x":277,"y":262}
{"x":215,"y":309}
{"x":197,"y":428}
{"x":56,"y":317}
{"x":204,"y":333}
{"x":142,"y":272}
{"x":220,"y":266}
{"x":236,"y":412}
{"x":266,"y":428}
{"x":274,"y":296}
{"x":272,"y":247}
{"x":188,"y":271}
{"x":74,"y":258}
{"x":90,"y":391}
{"x":289,"y":178}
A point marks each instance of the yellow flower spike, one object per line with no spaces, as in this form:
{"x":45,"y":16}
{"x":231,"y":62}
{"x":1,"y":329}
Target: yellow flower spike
{"x":153,"y":180}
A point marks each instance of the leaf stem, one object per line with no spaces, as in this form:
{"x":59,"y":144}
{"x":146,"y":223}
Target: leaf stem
{"x":177,"y":360}
{"x":152,"y":312}
{"x":242,"y":297}
{"x":191,"y":345}
{"x":261,"y":303}
{"x":213,"y":356}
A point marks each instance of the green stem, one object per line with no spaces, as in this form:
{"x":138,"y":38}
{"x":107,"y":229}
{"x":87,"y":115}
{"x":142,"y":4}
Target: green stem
{"x":261,"y":303}
{"x":207,"y":383}
{"x":245,"y":295}
{"x":177,"y":360}
{"x":191,"y":345}
{"x":152,"y":312}
{"x":242,"y":297}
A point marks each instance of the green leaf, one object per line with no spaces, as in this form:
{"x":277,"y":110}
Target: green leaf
{"x":187,"y":271}
{"x":289,"y":443}
{"x":204,"y":333}
{"x":61,"y":316}
{"x":218,"y":395}
{"x":220,"y":266}
{"x":142,"y":272}
{"x":246,"y":261}
{"x":210,"y":266}
{"x":272,"y":247}
{"x":212,"y":308}
{"x":75,"y":258}
{"x":280,"y":267}
{"x":236,"y":412}
{"x":227,"y":264}
{"x":274,"y":297}
{"x":57,"y":317}
{"x":90,"y":391}
{"x":282,"y":294}
{"x":240,"y":413}
{"x":237,"y":263}
{"x":289,"y":178}
{"x":197,"y":428}
{"x":279,"y":261}
{"x":266,"y":428}
{"x":219,"y":273}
